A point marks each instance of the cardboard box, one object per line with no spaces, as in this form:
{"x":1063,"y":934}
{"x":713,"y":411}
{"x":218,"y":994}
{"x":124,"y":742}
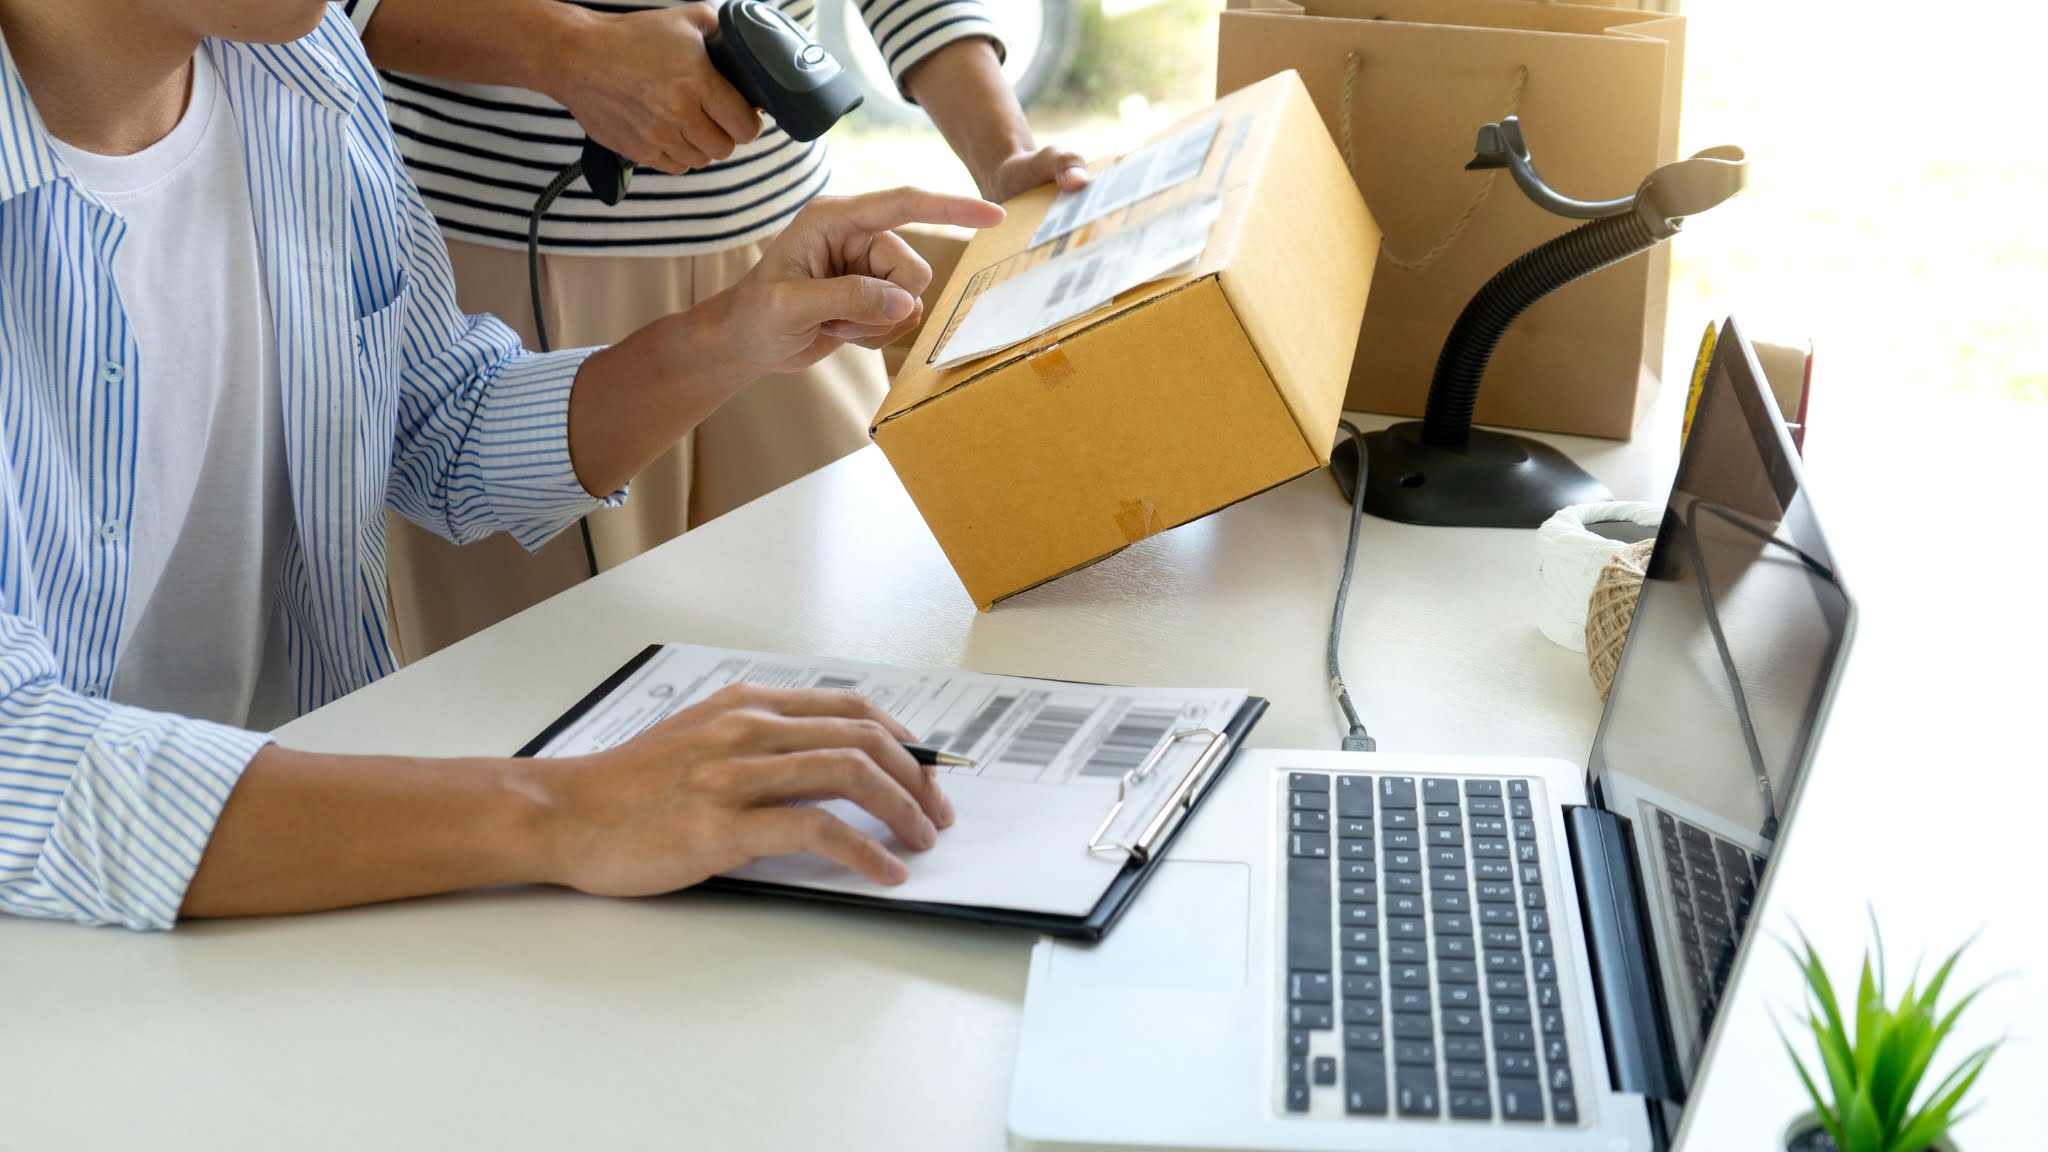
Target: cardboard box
{"x":1180,"y":397}
{"x":941,"y":248}
{"x":1597,"y":89}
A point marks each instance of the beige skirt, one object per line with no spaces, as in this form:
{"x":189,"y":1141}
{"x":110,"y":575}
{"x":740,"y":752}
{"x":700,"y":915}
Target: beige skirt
{"x":774,"y":431}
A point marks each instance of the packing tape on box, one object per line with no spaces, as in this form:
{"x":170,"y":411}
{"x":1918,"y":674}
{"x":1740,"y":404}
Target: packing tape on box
{"x":1569,"y":556}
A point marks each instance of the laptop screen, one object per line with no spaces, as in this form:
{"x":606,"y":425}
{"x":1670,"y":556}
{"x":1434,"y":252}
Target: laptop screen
{"x":1721,"y":687}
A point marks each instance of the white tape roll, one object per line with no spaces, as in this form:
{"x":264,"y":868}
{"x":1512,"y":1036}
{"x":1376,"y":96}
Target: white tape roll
{"x":1569,"y":556}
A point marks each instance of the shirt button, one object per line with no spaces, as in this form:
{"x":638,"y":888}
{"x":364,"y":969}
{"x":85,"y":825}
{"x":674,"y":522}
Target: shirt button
{"x":92,"y":691}
{"x":110,"y":531}
{"x":112,"y":372}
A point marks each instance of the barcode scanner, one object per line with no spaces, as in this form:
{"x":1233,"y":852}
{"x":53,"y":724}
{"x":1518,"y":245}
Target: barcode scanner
{"x":769,"y":59}
{"x":774,"y":64}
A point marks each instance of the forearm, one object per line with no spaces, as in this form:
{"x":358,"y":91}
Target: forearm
{"x":303,"y":832}
{"x":516,"y":43}
{"x":633,"y":401}
{"x":961,"y":87}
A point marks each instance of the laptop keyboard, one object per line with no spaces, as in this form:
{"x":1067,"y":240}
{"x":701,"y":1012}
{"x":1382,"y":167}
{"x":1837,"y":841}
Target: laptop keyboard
{"x":1421,"y":976}
{"x":1713,"y":883}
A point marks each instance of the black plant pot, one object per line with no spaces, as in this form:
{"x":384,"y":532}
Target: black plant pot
{"x":1806,"y":1135}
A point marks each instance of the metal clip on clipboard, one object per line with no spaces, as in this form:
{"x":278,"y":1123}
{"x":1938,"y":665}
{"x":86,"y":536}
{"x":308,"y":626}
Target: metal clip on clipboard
{"x":1179,"y":801}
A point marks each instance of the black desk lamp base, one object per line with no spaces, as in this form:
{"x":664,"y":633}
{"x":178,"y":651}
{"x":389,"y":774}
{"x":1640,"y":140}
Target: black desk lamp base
{"x":1497,"y":481}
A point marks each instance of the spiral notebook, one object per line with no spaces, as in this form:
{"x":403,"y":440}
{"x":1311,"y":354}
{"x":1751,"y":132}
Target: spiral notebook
{"x":1075,"y":792}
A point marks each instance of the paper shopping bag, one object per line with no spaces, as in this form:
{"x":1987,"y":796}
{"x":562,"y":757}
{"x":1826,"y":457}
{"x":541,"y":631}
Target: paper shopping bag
{"x":1404,"y":87}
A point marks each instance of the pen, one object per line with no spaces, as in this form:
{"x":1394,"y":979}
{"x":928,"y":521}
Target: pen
{"x":932,"y":756}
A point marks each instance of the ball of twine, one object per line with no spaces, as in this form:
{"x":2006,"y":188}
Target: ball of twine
{"x":1612,"y":606}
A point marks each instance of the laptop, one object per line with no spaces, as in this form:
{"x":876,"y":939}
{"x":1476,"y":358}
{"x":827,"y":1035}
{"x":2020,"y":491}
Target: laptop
{"x":1371,"y":950}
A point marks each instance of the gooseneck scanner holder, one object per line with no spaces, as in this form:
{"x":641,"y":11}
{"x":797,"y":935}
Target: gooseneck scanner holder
{"x":1441,"y":471}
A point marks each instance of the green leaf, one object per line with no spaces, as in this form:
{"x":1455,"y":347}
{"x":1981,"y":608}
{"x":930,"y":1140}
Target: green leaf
{"x":1869,"y":1026}
{"x":1861,"y":1131}
{"x":1900,"y":1059}
{"x":1823,"y":992}
{"x":1820,"y":1100}
{"x":1934,"y":1120}
{"x":1841,"y":1074}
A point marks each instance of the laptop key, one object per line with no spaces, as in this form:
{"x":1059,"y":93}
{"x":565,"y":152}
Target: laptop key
{"x":1539,"y":945}
{"x":1404,"y":882}
{"x":1410,"y":1026}
{"x":1309,"y":845}
{"x":1297,"y":1069}
{"x":1437,"y":790}
{"x":1497,"y":916}
{"x":1362,"y":1011}
{"x":1354,"y":796}
{"x":1483,"y":788}
{"x":1488,"y":826}
{"x":1516,"y":1038}
{"x":1565,"y":1107}
{"x":1415,"y":1090}
{"x":1358,"y":892}
{"x":1355,"y":870}
{"x":1559,"y":1077}
{"x":1297,"y":1097}
{"x":1518,"y":789}
{"x":1358,"y":915}
{"x":1453,"y":923}
{"x":1519,"y":809}
{"x":1361,"y":939}
{"x":1521,"y":1099}
{"x":1444,"y":814}
{"x":1308,"y":914}
{"x":1552,"y":1022}
{"x":1409,"y":976}
{"x":1365,"y":1038}
{"x":1398,"y":819}
{"x":1309,"y":987}
{"x":1301,"y":820}
{"x":1553,"y":1049}
{"x":1525,"y":829}
{"x":1500,"y":938}
{"x":1458,"y":995}
{"x":1503,"y":962}
{"x":1309,"y":801}
{"x":1355,"y":826}
{"x":1297,"y":1043}
{"x":1457,"y":1075}
{"x":1361,"y":987}
{"x":1314,"y":1017}
{"x":1494,"y":870}
{"x":1447,"y":856}
{"x":1362,"y":962}
{"x":1510,"y":1011}
{"x":1447,"y":901}
{"x":1457,"y":972}
{"x":1326,"y":1070}
{"x":1397,"y":792}
{"x":1454,"y":947}
{"x":1458,"y":1021}
{"x":1404,"y":904}
{"x":1365,"y":1084}
{"x":1486,"y":806}
{"x":1408,"y":952}
{"x":1507,"y":987}
{"x":1404,"y":927}
{"x":1470,"y":1105}
{"x":1467,"y":1048}
{"x":1515,"y":1063}
{"x":1352,"y":848}
{"x":1307,"y":782}
{"x":1409,"y":1000}
{"x":1489,"y":847}
{"x":1446,"y":837}
{"x":1415,"y":1052}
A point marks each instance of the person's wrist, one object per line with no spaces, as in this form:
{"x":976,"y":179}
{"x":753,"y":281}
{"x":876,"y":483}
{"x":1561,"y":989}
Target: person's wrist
{"x":528,"y":840}
{"x":572,"y":49}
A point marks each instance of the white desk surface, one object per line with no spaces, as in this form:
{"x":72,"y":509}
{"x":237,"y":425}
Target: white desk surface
{"x":525,"y":1019}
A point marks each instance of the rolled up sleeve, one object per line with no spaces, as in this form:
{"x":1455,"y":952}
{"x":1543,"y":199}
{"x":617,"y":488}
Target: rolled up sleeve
{"x":105,"y":810}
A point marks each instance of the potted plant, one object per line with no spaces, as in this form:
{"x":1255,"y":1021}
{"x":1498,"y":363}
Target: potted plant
{"x":1874,"y":1058}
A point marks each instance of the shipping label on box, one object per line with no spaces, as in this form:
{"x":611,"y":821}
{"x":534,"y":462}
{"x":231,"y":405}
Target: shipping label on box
{"x":1179,"y":341}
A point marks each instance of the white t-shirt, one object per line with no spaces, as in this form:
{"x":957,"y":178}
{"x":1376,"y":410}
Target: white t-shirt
{"x":212,"y":512}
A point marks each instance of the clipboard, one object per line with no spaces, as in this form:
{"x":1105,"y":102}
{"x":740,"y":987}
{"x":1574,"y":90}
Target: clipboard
{"x":1142,"y":853}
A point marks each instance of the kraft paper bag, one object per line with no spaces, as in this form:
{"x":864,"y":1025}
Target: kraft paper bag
{"x":1404,"y":87}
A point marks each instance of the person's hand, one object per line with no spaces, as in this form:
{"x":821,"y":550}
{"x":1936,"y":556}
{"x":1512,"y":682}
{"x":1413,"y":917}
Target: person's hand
{"x":1027,"y":170}
{"x":838,"y":275}
{"x":712,"y":787}
{"x":642,"y":85}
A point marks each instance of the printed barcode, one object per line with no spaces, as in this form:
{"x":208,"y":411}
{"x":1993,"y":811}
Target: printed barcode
{"x":1187,"y":156}
{"x":1049,"y":732}
{"x":994,"y":710}
{"x":1059,"y":289}
{"x":838,"y":683}
{"x":1130,"y":741}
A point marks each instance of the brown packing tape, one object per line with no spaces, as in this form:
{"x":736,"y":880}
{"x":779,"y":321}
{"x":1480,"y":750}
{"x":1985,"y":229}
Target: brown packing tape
{"x":1052,"y":367}
{"x":1137,"y":519}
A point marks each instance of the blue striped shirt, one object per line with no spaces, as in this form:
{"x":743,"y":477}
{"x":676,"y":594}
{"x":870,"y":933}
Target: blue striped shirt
{"x":391,"y":396}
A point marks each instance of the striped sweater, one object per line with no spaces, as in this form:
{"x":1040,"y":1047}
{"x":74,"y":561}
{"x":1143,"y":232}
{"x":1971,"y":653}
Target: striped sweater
{"x":481,"y":154}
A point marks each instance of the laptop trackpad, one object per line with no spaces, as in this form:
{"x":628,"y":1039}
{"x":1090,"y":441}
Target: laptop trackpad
{"x":1187,"y":929}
